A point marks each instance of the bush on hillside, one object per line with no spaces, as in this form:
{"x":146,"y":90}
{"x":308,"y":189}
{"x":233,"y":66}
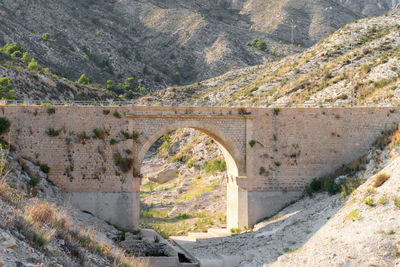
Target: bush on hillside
{"x":33,"y":65}
{"x":83,"y":79}
{"x":6,"y":89}
{"x":12,"y":48}
{"x":4,"y":125}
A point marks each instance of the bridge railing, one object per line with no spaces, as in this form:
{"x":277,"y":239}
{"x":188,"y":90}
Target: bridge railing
{"x":134,"y":103}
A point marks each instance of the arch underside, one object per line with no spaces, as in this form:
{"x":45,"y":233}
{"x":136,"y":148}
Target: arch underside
{"x":234,"y":159}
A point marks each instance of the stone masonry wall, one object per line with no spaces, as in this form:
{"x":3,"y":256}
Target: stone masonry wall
{"x":292,"y":146}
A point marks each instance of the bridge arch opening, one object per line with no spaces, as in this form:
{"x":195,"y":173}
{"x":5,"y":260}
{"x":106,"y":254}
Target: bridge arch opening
{"x":184,"y":173}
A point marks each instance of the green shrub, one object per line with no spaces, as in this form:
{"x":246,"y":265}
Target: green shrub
{"x":331,"y":187}
{"x":382,"y":83}
{"x":369,"y":201}
{"x":315,"y":186}
{"x":53,"y":132}
{"x":85,"y":49}
{"x":45,"y":168}
{"x":110,"y":85}
{"x":99,"y":133}
{"x":34,"y":180}
{"x":214,"y":166}
{"x":6,"y":89}
{"x":113,"y":141}
{"x":252,"y":142}
{"x":33,"y":65}
{"x":17,"y":54}
{"x":4,"y":125}
{"x":235,"y":230}
{"x":397,"y":202}
{"x":51,"y":110}
{"x":382,"y":200}
{"x":11,"y":48}
{"x":46,"y":36}
{"x":276,"y":110}
{"x":117,"y":115}
{"x":83,"y":79}
{"x":260,"y":45}
{"x":39,"y":239}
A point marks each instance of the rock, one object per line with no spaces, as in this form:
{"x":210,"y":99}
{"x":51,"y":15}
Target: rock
{"x":7,"y":241}
{"x":174,"y":148}
{"x":166,"y":174}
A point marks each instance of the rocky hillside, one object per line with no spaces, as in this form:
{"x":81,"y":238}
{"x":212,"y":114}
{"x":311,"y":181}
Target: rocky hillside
{"x":357,"y":64}
{"x":168,"y":42}
{"x":21,"y":80}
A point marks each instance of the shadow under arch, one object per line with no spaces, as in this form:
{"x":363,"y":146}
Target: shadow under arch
{"x":232,"y":155}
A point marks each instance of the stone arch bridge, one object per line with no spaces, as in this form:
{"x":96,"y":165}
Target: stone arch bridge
{"x":95,"y":153}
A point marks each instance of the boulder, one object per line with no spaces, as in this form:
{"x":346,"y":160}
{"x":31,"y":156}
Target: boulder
{"x":164,"y":175}
{"x":173,"y":149}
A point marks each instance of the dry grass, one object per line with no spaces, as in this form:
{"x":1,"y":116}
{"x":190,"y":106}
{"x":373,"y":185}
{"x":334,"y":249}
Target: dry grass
{"x":381,"y":179}
{"x":40,"y":212}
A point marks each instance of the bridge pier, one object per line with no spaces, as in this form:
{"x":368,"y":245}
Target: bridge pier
{"x":118,"y":208}
{"x":247,"y":207}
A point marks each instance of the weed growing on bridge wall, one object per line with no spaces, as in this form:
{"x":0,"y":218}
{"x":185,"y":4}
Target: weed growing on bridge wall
{"x":252,"y":142}
{"x":117,"y":115}
{"x":51,"y":110}
{"x":53,"y":132}
{"x":124,"y":163}
{"x":99,"y":133}
{"x":126,"y":135}
{"x":276,"y":110}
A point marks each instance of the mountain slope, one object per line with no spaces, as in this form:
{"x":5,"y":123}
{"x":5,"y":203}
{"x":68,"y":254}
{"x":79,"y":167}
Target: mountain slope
{"x":166,"y":42}
{"x":357,"y":64}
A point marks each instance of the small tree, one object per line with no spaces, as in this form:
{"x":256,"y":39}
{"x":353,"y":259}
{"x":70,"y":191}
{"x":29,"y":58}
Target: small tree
{"x":6,"y":89}
{"x":110,"y":85}
{"x":33,"y":65}
{"x":83,"y":79}
{"x":260,"y":45}
{"x":130,"y":84}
